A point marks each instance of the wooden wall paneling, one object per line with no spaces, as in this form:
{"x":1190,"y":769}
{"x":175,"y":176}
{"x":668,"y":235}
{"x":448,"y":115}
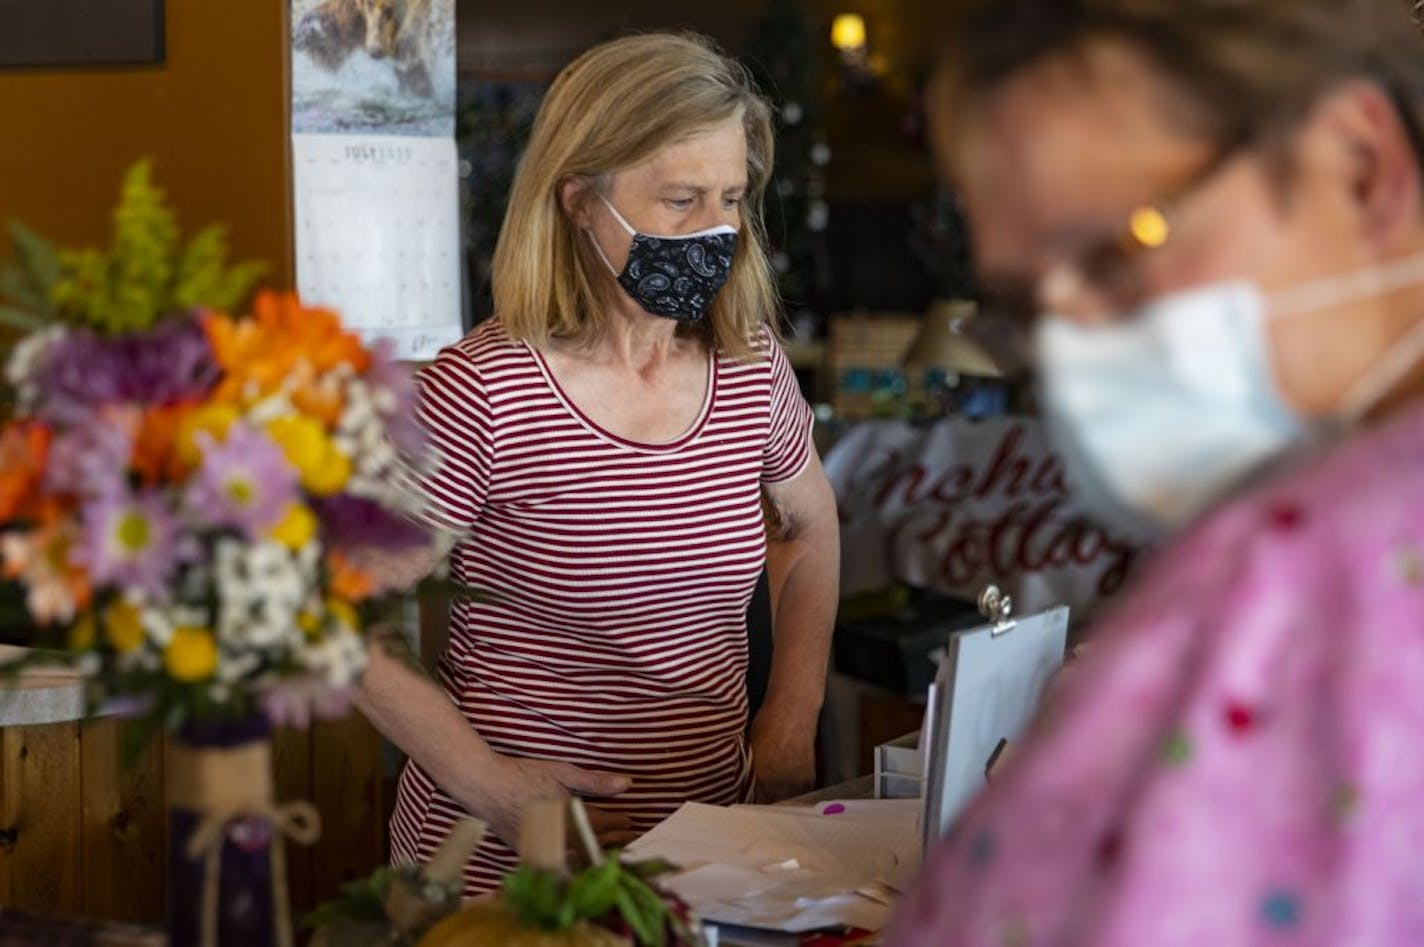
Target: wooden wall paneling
{"x":124,"y":827}
{"x":292,"y":770}
{"x":42,"y":780}
{"x":347,"y":788}
{"x":7,"y":822}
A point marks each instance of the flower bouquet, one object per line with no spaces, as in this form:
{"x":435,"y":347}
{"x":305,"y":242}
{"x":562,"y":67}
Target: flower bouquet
{"x":189,"y":497}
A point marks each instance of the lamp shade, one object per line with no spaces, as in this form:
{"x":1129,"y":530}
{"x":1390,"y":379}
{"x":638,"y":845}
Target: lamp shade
{"x":940,"y":343}
{"x":848,"y":31}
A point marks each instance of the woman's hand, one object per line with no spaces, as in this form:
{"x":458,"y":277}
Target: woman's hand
{"x":516,"y":780}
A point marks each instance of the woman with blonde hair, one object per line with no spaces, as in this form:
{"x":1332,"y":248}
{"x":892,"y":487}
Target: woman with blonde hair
{"x":606,"y":443}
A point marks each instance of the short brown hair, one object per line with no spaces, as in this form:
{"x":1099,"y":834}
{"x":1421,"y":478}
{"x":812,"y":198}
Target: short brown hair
{"x":613,"y":107}
{"x":1246,"y":67}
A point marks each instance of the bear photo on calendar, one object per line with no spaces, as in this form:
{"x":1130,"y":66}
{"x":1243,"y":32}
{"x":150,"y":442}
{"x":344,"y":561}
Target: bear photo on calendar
{"x":373,"y":66}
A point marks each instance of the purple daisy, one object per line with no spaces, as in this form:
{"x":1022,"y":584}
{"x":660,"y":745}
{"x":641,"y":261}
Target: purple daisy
{"x":92,"y":457}
{"x":386,"y":374}
{"x":297,"y":701}
{"x":130,"y":540}
{"x":351,"y":522}
{"x":244,"y":482}
{"x":83,"y":371}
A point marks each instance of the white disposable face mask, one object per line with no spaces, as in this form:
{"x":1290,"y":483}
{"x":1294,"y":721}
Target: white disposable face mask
{"x":1159,"y":414}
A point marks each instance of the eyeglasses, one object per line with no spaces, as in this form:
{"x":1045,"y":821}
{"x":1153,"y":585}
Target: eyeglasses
{"x":1112,"y":268}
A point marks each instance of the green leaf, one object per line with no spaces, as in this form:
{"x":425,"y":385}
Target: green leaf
{"x":543,"y":900}
{"x":361,"y":900}
{"x":594,"y":892}
{"x":628,"y":908}
{"x":35,"y":255}
{"x":203,"y":278}
{"x":27,"y":279}
{"x":537,"y":896}
{"x":20,"y":319}
{"x":650,"y":908}
{"x":17,"y":287}
{"x":565,"y":915}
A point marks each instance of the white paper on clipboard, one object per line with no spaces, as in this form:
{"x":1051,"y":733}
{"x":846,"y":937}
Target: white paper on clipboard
{"x":989,"y":686}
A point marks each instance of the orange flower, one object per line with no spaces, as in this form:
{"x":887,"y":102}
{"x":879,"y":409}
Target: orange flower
{"x":254,"y":362}
{"x":314,"y":333}
{"x":23,"y":449}
{"x":56,"y":588}
{"x":320,"y":398}
{"x":347,"y":581}
{"x":155,"y":453}
{"x":282,"y":343}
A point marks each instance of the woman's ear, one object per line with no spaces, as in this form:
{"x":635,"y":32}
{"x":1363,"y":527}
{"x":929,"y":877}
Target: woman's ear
{"x":573,"y":198}
{"x":1381,"y":167}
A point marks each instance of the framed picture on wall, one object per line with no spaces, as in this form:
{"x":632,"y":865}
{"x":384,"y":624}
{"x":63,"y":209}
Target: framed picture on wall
{"x":80,"y":32}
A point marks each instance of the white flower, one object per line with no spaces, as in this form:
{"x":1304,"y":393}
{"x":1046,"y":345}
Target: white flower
{"x":384,"y":400}
{"x":270,"y":409}
{"x":338,"y":658}
{"x":157,"y":624}
{"x":25,"y":357}
{"x":234,"y":667}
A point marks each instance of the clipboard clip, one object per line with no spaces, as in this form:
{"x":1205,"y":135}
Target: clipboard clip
{"x":996,"y":607}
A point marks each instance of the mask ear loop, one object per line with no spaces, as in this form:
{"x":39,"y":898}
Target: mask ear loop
{"x":1380,"y":380}
{"x":601,"y":255}
{"x":1379,"y":280}
{"x":618,"y":217}
{"x":1331,"y":291}
{"x":594,"y":240}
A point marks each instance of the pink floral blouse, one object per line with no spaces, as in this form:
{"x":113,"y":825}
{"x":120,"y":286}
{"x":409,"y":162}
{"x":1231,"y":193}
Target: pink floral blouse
{"x":1239,"y":757}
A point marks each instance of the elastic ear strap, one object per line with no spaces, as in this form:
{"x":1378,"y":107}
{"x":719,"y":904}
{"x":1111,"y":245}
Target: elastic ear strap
{"x":618,"y":217}
{"x":1329,"y":291}
{"x":1380,"y":380}
{"x":601,"y":255}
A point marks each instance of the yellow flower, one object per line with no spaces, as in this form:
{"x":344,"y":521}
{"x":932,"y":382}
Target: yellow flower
{"x":192,"y":655}
{"x":81,"y":633}
{"x":213,"y":419}
{"x":302,"y":439}
{"x":296,"y":528}
{"x":330,"y":476}
{"x":122,"y":625}
{"x":344,"y":613}
{"x":323,"y":469}
{"x":310,"y":624}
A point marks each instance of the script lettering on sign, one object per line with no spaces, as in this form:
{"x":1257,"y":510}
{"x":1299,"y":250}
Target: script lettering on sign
{"x":960,"y":504}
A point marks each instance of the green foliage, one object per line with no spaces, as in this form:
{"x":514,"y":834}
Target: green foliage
{"x":361,"y":900}
{"x":204,"y":280}
{"x":26,"y":280}
{"x":147,"y":273}
{"x":609,"y":891}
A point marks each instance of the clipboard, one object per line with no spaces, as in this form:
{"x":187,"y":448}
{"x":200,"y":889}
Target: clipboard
{"x":987,"y":689}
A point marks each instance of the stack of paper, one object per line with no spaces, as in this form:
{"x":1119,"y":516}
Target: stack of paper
{"x":790,"y":868}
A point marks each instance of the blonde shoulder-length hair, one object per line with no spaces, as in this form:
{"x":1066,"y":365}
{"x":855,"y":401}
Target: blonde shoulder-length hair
{"x":612,"y":108}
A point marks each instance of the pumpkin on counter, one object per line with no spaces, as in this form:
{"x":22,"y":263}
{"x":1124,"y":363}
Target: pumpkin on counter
{"x":491,"y":923}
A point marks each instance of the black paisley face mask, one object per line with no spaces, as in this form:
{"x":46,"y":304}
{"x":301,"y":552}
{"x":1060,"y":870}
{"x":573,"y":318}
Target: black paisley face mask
{"x":676,"y":277}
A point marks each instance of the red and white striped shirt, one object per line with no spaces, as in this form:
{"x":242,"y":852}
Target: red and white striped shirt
{"x":622,"y":573}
